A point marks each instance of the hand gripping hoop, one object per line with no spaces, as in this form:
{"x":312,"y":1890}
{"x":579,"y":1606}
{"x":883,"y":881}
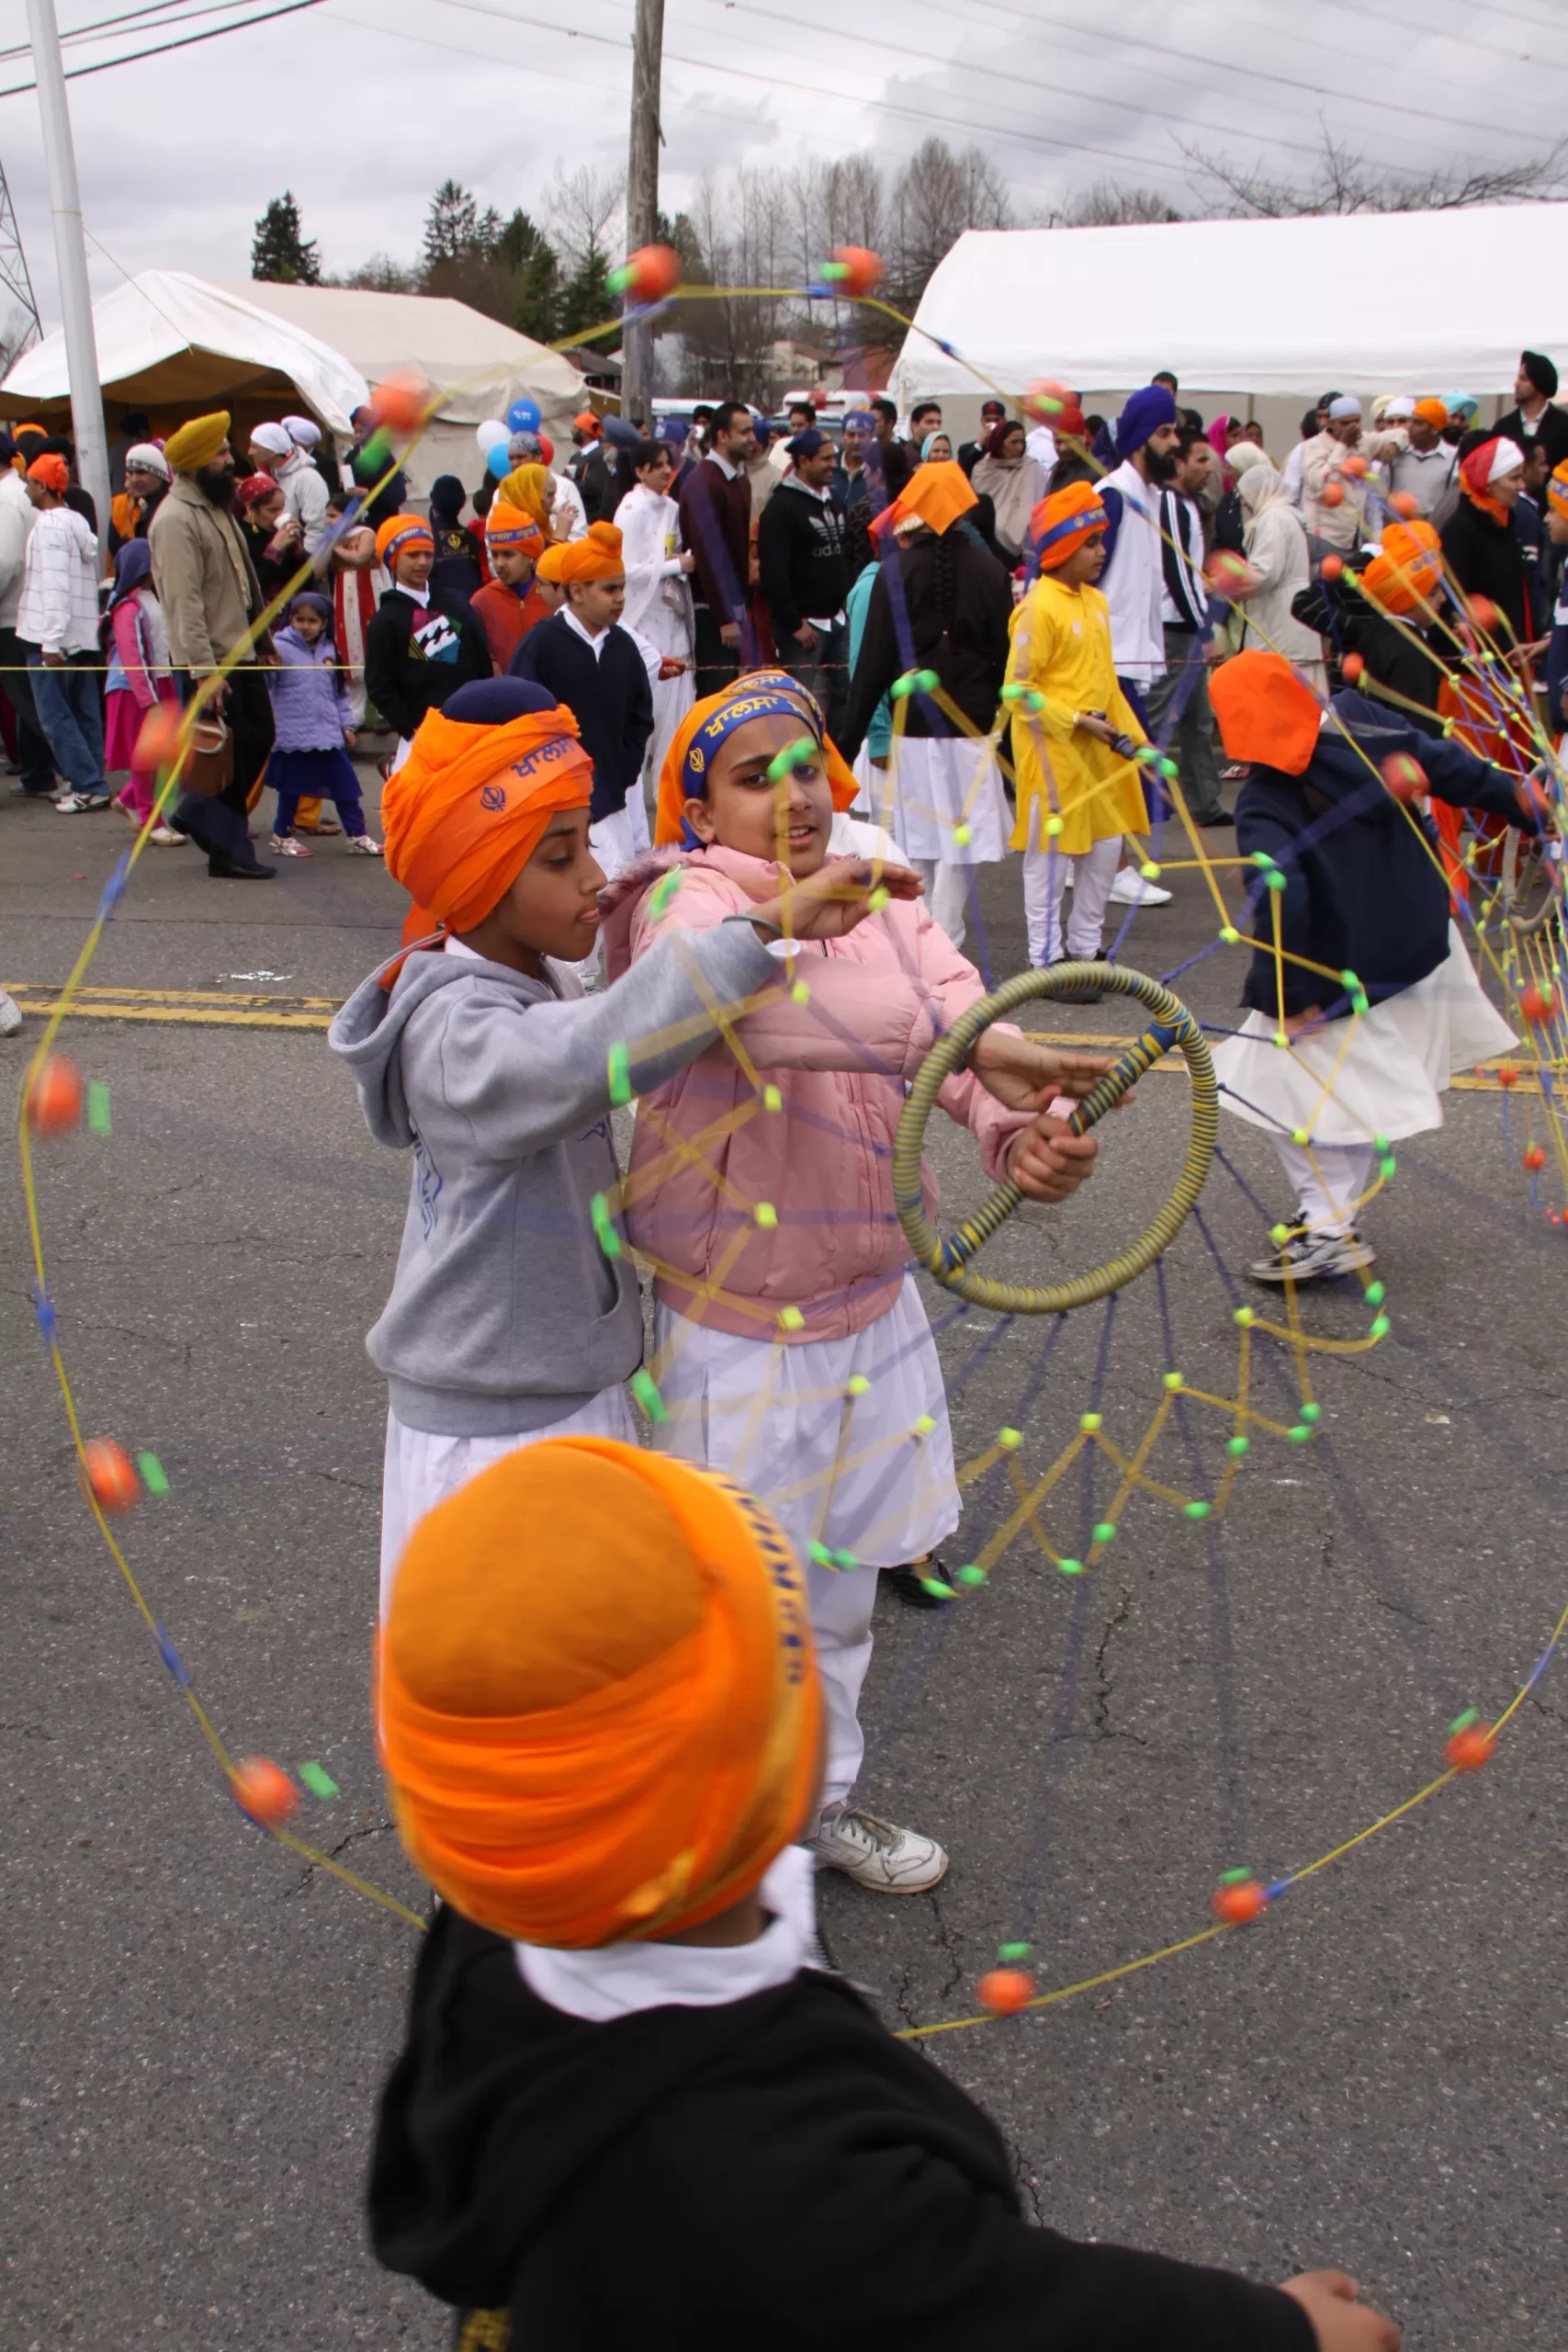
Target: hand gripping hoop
{"x":946,"y":1258}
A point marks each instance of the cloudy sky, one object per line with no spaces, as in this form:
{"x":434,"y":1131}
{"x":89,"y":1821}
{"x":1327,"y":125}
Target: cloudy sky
{"x":361,"y":106}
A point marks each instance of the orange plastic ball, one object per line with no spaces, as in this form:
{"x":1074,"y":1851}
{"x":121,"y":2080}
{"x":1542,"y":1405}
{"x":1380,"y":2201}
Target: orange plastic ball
{"x":1354,"y":465}
{"x":1332,"y":493}
{"x":1229,"y":574}
{"x":54,"y":1098}
{"x":399,"y":401}
{"x":1534,"y":1157}
{"x":158,"y":737}
{"x":1352,"y":668}
{"x":265,"y":1791}
{"x":1536,"y":1003}
{"x":1507,"y":1073}
{"x":1332,"y":567}
{"x":651,"y":273}
{"x":1404,"y":776}
{"x":1237,"y":1904}
{"x":1046,"y":400}
{"x":1469,"y":1749}
{"x":110,"y":1475}
{"x":1005,"y":1991}
{"x":862,"y":269}
{"x":1406,"y":505}
{"x":1484,"y":614}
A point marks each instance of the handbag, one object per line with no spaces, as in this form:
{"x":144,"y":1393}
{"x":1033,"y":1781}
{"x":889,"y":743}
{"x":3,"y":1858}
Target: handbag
{"x":209,"y":765}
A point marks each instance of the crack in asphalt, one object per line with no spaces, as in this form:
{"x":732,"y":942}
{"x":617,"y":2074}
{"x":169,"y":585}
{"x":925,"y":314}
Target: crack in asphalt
{"x":355,"y":1838}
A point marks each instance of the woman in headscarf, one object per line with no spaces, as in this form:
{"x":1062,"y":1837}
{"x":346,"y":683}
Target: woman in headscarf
{"x":1014,"y":482}
{"x":1275,"y":544}
{"x":935,"y":450}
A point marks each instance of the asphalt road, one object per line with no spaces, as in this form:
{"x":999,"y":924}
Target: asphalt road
{"x":197,"y":2023}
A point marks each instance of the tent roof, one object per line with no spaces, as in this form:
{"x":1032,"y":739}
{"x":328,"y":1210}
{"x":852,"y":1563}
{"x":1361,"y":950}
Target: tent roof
{"x":455,"y":346}
{"x":169,"y":341}
{"x":1367,"y":303}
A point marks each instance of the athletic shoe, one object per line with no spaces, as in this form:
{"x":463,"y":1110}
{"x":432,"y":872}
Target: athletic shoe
{"x":77,"y":804}
{"x":875,"y":1854}
{"x":1308,"y":1257}
{"x":285,"y":845}
{"x":913,"y":1580}
{"x":1130,"y":889}
{"x":10,"y":1014}
{"x":365,"y":846}
{"x":165,"y":837}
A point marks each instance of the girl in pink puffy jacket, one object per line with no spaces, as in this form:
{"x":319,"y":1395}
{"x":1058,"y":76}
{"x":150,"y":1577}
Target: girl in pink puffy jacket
{"x":139,"y":676}
{"x":791,"y":1347}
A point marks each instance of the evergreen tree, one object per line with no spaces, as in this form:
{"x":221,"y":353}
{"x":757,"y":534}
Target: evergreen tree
{"x":279,"y":252}
{"x":585,"y":299}
{"x":451,"y":226}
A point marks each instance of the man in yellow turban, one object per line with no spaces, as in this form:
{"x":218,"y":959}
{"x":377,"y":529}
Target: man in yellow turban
{"x":634,"y":2109}
{"x":586,"y":660}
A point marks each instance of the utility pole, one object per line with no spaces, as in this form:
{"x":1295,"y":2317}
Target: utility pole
{"x":15,"y":282}
{"x":71,"y":255}
{"x":642,"y":191}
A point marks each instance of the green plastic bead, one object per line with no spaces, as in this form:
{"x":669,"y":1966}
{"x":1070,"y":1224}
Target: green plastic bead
{"x":820,"y":1556}
{"x":1009,"y":1440}
{"x":1300,"y":1434}
{"x":1280,"y":1038}
{"x":797,"y":754}
{"x":1196,"y":1511}
{"x":1090,"y":1421}
{"x":1105,"y":1530}
{"x":846,"y":1561}
{"x":1379,"y":1329}
{"x":771,"y":1099}
{"x":1260,"y":858}
{"x":1070,"y":1567}
{"x":924,"y":1426}
{"x":1230,"y":935}
{"x":1300,"y":1138}
{"x":970,"y":1575}
{"x":1386,"y":1167}
{"x":1274,"y":879}
{"x":800,"y":993}
{"x":617,"y":1066}
{"x":1149,"y":870}
{"x":961,"y":836}
{"x":1375,"y":1293}
{"x":857,"y":1384}
{"x":881,"y":898}
{"x":1312,"y":1412}
{"x":1014,"y":1951}
{"x":1279,"y":1235}
{"x":1349,"y":980}
{"x":1054,"y":825}
{"x":645,"y":1388}
{"x":1172,"y":1381}
{"x":1244,"y":1316}
{"x":1381,"y":1144}
{"x":790,"y":1319}
{"x":1168,"y":769}
{"x":766,"y":1216}
{"x":609,"y":1240}
{"x":1238,"y":1446}
{"x":937,"y":1588}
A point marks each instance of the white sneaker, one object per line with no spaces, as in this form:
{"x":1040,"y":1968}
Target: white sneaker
{"x":365,"y":846}
{"x":1130,"y":889}
{"x":165,"y":837}
{"x":79,"y":804}
{"x":285,"y":845}
{"x":875,"y":1854}
{"x":10,"y":1014}
{"x":1308,"y":1257}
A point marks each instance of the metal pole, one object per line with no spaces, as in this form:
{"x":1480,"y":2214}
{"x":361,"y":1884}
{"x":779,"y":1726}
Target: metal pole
{"x":642,"y":191}
{"x":71,"y":255}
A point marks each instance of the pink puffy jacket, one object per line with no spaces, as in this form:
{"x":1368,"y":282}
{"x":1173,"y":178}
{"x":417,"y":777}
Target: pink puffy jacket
{"x":707,"y":1152}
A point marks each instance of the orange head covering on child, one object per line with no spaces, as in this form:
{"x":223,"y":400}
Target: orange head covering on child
{"x":597,"y":556}
{"x":471,"y":804}
{"x":528,"y":488}
{"x":400,"y":531}
{"x":1061,"y":523}
{"x":765,"y":693}
{"x":550,"y":564}
{"x":1266,"y":714}
{"x":935,"y":494}
{"x":608,"y":1736}
{"x":53,"y":472}
{"x":508,"y":526}
{"x":1408,"y":568}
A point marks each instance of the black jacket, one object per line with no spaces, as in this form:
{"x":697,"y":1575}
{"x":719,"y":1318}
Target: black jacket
{"x":415,"y":656}
{"x":670,"y":2180}
{"x":803,"y":569}
{"x":1487,"y":559}
{"x":946,"y":609}
{"x":1398,"y":654}
{"x":1551,"y":430}
{"x":608,"y":693}
{"x":1364,"y":891}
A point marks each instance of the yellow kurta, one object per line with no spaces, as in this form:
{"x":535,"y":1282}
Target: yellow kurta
{"x":1061,"y":647}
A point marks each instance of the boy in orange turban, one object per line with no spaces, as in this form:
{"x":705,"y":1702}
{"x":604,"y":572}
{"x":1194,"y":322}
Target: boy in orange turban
{"x":422,"y":643}
{"x":512,"y":1315}
{"x":506,"y":607}
{"x":632,"y":2109}
{"x":582,"y":657}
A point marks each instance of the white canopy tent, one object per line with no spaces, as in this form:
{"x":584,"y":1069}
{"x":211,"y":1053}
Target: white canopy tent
{"x":174,"y":346}
{"x":1365,"y":302}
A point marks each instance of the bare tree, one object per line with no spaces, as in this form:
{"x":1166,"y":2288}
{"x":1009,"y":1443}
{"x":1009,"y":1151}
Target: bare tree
{"x":854,"y":203}
{"x":581,"y":206}
{"x":1108,"y":205}
{"x":1343,"y":181}
{"x":938,"y":195}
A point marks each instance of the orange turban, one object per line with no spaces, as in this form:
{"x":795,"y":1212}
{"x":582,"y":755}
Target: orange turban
{"x":1408,"y":568}
{"x":1266,"y":714}
{"x":1061,"y":524}
{"x":936,"y":494}
{"x":595,"y":557}
{"x":763,"y":694}
{"x":1557,"y":487}
{"x":470,"y":805}
{"x":398,"y":532}
{"x":508,"y":526}
{"x":609,"y":1735}
{"x":528,"y":488}
{"x":53,"y":472}
{"x":1432,"y":412}
{"x":551,"y":564}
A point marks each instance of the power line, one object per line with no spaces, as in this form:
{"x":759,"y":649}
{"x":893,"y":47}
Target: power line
{"x":174,"y":12}
{"x":79,"y":72}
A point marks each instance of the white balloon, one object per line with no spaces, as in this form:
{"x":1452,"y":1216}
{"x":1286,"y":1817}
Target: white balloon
{"x":488,"y":434}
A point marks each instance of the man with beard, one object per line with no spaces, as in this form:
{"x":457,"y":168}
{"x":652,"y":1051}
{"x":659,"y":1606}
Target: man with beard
{"x":1133,"y":582}
{"x":211,"y":596}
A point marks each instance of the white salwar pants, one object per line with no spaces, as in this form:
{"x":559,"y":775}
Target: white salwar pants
{"x":1045,"y":871}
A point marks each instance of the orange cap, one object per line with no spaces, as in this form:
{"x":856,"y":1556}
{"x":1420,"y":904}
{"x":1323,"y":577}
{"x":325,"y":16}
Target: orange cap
{"x":1266,"y":714}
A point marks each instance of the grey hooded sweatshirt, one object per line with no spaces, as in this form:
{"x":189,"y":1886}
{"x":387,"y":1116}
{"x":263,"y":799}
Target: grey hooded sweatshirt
{"x":506,"y":1314}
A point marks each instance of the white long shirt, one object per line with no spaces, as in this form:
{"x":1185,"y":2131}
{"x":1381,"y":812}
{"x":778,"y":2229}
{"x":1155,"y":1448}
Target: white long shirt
{"x":305,"y":495}
{"x":1133,"y":582}
{"x":59,"y":607}
{"x":658,"y":603}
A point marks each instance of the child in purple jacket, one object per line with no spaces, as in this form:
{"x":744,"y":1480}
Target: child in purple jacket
{"x":313,"y":728}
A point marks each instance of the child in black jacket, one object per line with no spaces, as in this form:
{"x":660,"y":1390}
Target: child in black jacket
{"x":631,"y":2112}
{"x":1351,"y":873}
{"x":421,"y":643}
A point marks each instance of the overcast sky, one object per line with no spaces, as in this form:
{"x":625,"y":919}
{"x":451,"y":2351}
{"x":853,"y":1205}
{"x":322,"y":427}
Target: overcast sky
{"x":361,"y":107}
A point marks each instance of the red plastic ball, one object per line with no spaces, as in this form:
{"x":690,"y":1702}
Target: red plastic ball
{"x":1536,"y":1003}
{"x":1406,"y":505}
{"x":861,"y":269}
{"x":1469,"y":1749}
{"x":1005,"y":1991}
{"x":1484,"y":614}
{"x":1534,"y":1157}
{"x":1404,"y":776}
{"x":399,"y":401}
{"x":110,"y":1475}
{"x":265,"y":1791}
{"x":54,"y":1098}
{"x":1352,"y":668}
{"x":1507,"y":1073}
{"x":158,"y":737}
{"x":655,"y":273}
{"x":1332,"y":567}
{"x":1332,"y":493}
{"x":1238,"y":1903}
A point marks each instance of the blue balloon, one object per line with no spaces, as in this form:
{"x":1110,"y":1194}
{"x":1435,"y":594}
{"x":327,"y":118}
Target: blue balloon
{"x":499,"y":463}
{"x":523,"y":416}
